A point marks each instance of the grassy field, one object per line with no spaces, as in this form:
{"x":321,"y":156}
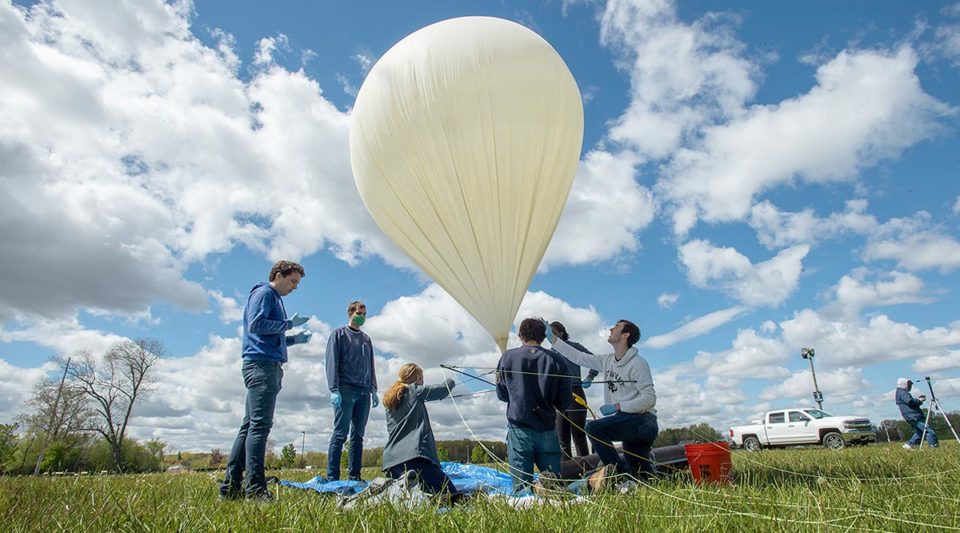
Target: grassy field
{"x":872,"y":488}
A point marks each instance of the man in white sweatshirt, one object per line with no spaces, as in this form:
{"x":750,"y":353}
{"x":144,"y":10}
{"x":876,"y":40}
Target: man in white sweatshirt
{"x":629,"y":400}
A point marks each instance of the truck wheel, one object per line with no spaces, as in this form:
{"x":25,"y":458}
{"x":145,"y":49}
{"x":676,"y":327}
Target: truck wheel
{"x":752,"y":444}
{"x":833,"y":440}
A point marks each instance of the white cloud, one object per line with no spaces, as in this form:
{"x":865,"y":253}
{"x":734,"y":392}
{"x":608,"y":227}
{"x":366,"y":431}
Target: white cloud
{"x":855,"y":292}
{"x":917,"y":251}
{"x":936,"y":363}
{"x":767,"y":283}
{"x":956,"y":206}
{"x":750,"y":356}
{"x":696,"y":327}
{"x":682,"y":76}
{"x":777,"y":229}
{"x":16,"y":386}
{"x":838,"y":386}
{"x":230,"y":309}
{"x":605,"y":210}
{"x":431,"y":328}
{"x":365,"y":62}
{"x":867,"y":106}
{"x":840,"y":343}
{"x":126,"y":188}
{"x":268,"y":47}
{"x":667,"y":300}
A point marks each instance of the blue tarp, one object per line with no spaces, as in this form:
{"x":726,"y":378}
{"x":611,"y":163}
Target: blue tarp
{"x":466,"y":477}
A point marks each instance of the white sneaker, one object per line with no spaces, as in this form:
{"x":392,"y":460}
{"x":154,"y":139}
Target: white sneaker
{"x":907,"y":447}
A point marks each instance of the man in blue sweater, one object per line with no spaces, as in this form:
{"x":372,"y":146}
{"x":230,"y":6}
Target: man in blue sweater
{"x":910,"y":409}
{"x":353,"y":388}
{"x":264,"y":351}
{"x":533,"y":382}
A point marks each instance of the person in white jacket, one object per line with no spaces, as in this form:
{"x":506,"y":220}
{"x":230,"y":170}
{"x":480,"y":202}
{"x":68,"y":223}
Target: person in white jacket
{"x":629,"y":400}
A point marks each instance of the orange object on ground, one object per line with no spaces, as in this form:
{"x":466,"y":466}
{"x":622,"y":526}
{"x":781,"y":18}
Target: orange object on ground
{"x":710,"y":462}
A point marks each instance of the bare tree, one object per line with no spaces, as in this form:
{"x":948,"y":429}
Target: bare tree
{"x":59,"y":413}
{"x":114,"y":384}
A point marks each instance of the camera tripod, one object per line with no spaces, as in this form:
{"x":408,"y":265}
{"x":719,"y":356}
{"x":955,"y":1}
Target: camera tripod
{"x":935,"y":404}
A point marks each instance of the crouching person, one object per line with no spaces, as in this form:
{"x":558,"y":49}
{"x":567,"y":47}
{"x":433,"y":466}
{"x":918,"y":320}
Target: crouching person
{"x":629,"y":400}
{"x":410,"y":444}
{"x":533,"y":382}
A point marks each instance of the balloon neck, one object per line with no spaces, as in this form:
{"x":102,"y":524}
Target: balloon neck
{"x":502,"y":344}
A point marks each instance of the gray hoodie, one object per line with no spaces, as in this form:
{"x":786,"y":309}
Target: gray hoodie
{"x":629,"y":382}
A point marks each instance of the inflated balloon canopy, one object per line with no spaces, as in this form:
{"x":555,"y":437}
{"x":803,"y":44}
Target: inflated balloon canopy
{"x":464,"y":141}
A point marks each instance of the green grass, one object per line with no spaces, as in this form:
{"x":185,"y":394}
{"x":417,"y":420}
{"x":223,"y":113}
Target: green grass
{"x":872,"y":488}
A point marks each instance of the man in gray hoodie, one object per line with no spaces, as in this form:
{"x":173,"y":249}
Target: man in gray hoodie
{"x":910,"y":409}
{"x":629,"y":400}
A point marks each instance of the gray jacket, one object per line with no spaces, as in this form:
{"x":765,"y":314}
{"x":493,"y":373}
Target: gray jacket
{"x":409,"y":434}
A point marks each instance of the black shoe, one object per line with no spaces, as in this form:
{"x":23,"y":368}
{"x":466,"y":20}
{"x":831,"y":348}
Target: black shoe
{"x":262,"y":496}
{"x":231,"y":494}
{"x":230,"y":491}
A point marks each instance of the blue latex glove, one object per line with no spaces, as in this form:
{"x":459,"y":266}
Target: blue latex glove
{"x":335,"y":399}
{"x":301,"y":338}
{"x":608,"y":409}
{"x":586,"y":383}
{"x":551,"y":336}
{"x":297,"y":320}
{"x":374,"y":401}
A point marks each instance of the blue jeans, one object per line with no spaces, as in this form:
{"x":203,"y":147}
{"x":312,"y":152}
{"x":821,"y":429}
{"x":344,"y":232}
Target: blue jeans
{"x":434,"y":479}
{"x":350,"y":417}
{"x":526,"y":448}
{"x":637,"y":433}
{"x":263,"y":381}
{"x":918,"y":426}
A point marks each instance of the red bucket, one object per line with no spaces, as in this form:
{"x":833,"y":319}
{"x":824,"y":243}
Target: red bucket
{"x":710,"y":462}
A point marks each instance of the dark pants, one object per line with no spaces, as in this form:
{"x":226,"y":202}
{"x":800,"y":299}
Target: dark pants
{"x":526,"y":448}
{"x":263,"y":381}
{"x":577,"y":414}
{"x":637,"y":433}
{"x":432,"y":476}
{"x":350,"y":419}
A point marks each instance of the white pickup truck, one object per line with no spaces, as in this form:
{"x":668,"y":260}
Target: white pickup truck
{"x":803,"y":425}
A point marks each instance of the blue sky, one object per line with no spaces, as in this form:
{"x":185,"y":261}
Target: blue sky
{"x":754,"y":179}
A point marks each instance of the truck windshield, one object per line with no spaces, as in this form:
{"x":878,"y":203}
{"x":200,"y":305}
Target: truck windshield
{"x":816,"y":413}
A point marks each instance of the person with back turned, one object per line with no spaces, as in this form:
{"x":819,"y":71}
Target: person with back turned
{"x":532,"y":380}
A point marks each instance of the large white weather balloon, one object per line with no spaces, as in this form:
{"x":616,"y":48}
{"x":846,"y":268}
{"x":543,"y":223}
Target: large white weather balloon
{"x":464,"y":142}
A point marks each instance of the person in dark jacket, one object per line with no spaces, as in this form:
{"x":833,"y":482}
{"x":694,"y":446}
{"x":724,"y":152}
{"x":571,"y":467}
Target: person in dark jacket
{"x":352,"y":380}
{"x":910,"y":409}
{"x":410,"y":444}
{"x":264,"y":350}
{"x":571,"y":421}
{"x":533,"y":382}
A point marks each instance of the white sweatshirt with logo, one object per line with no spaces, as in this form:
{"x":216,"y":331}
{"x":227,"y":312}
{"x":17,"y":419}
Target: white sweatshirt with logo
{"x":628,"y":381}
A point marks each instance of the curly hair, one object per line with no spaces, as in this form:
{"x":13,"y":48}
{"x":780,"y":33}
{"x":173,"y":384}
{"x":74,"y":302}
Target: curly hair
{"x":285,"y":268}
{"x":409,"y":373}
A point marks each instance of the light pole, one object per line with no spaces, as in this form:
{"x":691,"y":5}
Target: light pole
{"x":303,"y":439}
{"x":808,"y":353}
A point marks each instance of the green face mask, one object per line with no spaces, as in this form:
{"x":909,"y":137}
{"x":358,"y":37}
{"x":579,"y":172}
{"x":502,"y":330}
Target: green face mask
{"x":358,"y":320}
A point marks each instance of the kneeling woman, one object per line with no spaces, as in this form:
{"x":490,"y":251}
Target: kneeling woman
{"x":410,"y":444}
